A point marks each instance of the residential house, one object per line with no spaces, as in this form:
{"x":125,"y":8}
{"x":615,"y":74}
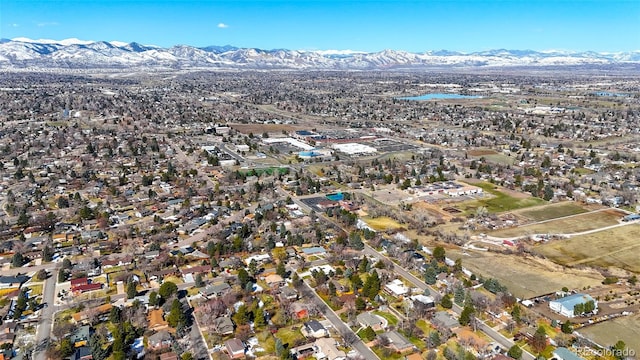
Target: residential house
{"x":222,"y":325}
{"x":235,"y":348}
{"x":397,"y":341}
{"x":215,"y":290}
{"x":288,"y":294}
{"x":169,"y":356}
{"x":396,"y":288}
{"x":414,"y":356}
{"x":7,"y":282}
{"x":274,"y":281}
{"x":160,"y":340}
{"x":444,"y":319}
{"x":82,"y":353}
{"x":423,"y":301}
{"x":78,"y":282}
{"x":86,"y":288}
{"x":304,"y":351}
{"x":83,"y":316}
{"x":314,"y":329}
{"x":7,"y":338}
{"x":328,"y":350}
{"x":156,"y":320}
{"x":80,"y":337}
{"x":366,"y":319}
{"x":299,"y":310}
{"x":195,"y":270}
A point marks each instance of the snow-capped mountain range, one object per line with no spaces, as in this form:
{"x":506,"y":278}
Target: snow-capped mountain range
{"x":22,"y":53}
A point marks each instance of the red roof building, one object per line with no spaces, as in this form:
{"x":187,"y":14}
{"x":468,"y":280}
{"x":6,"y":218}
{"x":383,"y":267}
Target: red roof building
{"x":78,"y":282}
{"x":87,"y":287}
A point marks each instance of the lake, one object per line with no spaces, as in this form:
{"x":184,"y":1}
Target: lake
{"x":436,"y":96}
{"x":612,"y":94}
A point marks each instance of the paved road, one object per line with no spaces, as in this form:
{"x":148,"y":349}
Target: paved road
{"x":337,"y":323}
{"x":45,"y":326}
{"x":30,"y":269}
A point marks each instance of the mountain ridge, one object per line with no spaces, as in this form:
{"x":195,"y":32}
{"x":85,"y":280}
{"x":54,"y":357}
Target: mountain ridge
{"x":20,"y":53}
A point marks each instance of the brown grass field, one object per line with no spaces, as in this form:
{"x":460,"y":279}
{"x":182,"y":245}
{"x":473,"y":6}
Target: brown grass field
{"x":529,"y":276}
{"x":623,"y":328}
{"x":382,"y":223}
{"x":618,"y":248}
{"x":481,"y":152}
{"x":552,"y":211}
{"x":567,"y":225}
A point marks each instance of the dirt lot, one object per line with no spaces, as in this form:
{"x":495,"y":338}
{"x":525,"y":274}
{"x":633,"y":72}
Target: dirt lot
{"x":526,"y":277}
{"x":566,"y":225}
{"x":623,"y":328}
{"x":389,"y":195}
{"x":258,"y":129}
{"x":481,"y":152}
{"x":618,"y":248}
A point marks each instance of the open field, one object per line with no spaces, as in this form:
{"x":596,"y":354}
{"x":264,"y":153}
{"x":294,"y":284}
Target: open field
{"x":501,"y":159}
{"x":500,"y":202}
{"x":622,"y":328}
{"x":552,"y":211}
{"x":382,"y":223}
{"x":526,"y":277}
{"x":618,"y":247}
{"x":566,"y":225}
{"x":481,"y":152}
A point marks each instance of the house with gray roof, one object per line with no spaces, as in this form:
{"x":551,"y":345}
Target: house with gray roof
{"x":368,"y":319}
{"x":398,"y":341}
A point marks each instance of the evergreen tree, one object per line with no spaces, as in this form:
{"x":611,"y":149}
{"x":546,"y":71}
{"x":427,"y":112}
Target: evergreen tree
{"x":154,"y":300}
{"x":199,"y":281}
{"x":131,"y":289}
{"x":241,"y":317}
{"x":465,"y":315}
{"x":430,"y":276}
{"x":566,"y":327}
{"x":458,"y":295}
{"x":176,"y":317}
{"x":439,"y":253}
{"x":258,"y":318}
{"x":167,"y":289}
{"x":446,"y":302}
{"x":243,"y":277}
{"x":433,"y":341}
{"x":281,"y":270}
{"x":515,"y":352}
{"x":371,"y":287}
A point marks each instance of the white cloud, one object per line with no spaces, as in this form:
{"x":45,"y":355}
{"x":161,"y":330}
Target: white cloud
{"x":222,"y":26}
{"x":49,"y":23}
{"x":14,"y":25}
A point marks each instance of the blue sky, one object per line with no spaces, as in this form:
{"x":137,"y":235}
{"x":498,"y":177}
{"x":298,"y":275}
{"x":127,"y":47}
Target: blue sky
{"x":411,"y":25}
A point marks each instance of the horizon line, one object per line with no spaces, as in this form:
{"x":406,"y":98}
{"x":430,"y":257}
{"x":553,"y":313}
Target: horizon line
{"x":338,"y":51}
